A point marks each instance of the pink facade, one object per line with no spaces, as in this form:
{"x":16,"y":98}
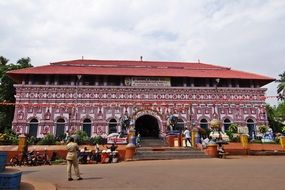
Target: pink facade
{"x":97,"y":106}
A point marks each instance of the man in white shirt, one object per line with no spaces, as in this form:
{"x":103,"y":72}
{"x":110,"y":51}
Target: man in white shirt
{"x":187,"y":136}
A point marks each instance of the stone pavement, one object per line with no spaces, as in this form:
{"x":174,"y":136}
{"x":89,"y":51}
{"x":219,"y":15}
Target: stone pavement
{"x":33,"y":184}
{"x":239,"y":172}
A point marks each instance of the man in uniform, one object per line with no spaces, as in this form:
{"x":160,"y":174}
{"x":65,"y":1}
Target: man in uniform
{"x":71,"y":159}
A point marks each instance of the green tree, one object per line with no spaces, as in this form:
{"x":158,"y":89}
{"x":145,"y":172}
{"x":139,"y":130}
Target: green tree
{"x":3,"y":60}
{"x":7,"y":90}
{"x":24,"y":62}
{"x":274,"y":117}
{"x":280,"y":111}
{"x":281,"y":86}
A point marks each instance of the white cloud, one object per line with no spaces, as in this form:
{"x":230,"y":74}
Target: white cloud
{"x":242,"y":34}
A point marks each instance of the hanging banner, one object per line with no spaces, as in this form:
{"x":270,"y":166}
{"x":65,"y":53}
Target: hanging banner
{"x":148,"y":81}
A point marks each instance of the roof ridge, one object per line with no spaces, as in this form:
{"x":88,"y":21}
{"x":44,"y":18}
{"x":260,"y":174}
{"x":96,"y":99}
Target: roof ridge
{"x":130,"y":64}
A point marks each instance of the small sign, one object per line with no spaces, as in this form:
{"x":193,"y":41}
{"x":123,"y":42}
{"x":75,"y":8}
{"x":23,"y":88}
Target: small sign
{"x":116,"y":140}
{"x":148,"y":81}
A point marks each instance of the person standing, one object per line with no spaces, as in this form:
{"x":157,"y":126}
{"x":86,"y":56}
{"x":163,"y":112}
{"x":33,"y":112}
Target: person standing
{"x":71,"y":159}
{"x":66,"y":136}
{"x":138,"y":140}
{"x":97,"y":156}
{"x":187,"y":136}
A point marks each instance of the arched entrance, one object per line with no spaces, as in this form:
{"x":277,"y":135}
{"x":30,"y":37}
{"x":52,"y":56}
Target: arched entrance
{"x":33,"y":128}
{"x":227,"y":124}
{"x":60,"y":126}
{"x":112,"y":126}
{"x":147,"y":126}
{"x":87,"y":127}
{"x":204,"y":126}
{"x":250,"y":126}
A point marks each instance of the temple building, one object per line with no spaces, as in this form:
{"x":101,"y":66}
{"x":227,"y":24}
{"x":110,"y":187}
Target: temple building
{"x":94,"y":96}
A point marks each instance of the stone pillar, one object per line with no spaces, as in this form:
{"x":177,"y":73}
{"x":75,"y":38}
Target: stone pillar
{"x":184,"y":82}
{"x":192,"y":82}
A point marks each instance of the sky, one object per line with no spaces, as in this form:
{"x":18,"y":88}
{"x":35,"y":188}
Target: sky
{"x":241,"y":34}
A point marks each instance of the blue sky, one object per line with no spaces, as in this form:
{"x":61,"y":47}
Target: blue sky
{"x":241,"y":34}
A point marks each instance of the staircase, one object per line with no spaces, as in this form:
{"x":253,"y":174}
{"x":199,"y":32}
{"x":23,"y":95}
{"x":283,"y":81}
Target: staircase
{"x":156,"y":149}
{"x":152,"y":142}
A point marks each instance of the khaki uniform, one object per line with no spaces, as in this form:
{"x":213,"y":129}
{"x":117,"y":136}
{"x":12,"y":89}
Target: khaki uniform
{"x":71,"y":159}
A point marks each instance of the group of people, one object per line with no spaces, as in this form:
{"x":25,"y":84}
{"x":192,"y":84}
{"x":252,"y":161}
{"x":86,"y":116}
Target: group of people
{"x":204,"y":142}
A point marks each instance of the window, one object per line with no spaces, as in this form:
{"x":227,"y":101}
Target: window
{"x":33,"y":128}
{"x":59,"y":129}
{"x":227,"y":124}
{"x":204,"y":124}
{"x":87,"y":127}
{"x":204,"y":128}
{"x":244,"y":83}
{"x":175,"y":81}
{"x":113,"y":80}
{"x":112,"y":126}
{"x":251,"y":128}
{"x":199,"y":82}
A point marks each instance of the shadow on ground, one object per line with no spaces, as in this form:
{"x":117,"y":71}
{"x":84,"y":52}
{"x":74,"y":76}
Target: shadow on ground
{"x":89,"y":178}
{"x":26,"y":186}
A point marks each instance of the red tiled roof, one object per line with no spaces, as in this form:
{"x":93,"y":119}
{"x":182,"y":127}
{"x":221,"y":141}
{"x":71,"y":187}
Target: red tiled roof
{"x":138,"y":68}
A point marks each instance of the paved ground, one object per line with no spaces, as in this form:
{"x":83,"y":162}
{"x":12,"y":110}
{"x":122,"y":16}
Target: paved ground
{"x":261,"y":172}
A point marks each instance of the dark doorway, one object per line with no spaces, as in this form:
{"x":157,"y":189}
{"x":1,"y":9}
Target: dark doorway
{"x":33,"y":128}
{"x":60,"y":126}
{"x":227,"y":124}
{"x":147,"y":126}
{"x":87,"y":127}
{"x":250,"y":126}
{"x":112,"y":126}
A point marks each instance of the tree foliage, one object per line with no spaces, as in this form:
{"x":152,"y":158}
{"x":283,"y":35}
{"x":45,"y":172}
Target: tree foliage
{"x":7,"y":91}
{"x":281,"y":86}
{"x":3,"y":60}
{"x":276,"y":116}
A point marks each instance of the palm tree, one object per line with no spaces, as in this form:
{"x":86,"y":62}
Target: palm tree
{"x":281,"y":86}
{"x":3,"y":60}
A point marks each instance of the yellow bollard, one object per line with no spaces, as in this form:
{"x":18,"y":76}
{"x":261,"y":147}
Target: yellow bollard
{"x":244,"y":140}
{"x":282,"y":141}
{"x":193,"y":136}
{"x":22,"y":142}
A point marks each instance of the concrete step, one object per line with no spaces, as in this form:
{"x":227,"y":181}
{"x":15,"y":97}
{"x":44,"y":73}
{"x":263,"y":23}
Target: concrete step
{"x":145,"y":142}
{"x":165,"y":153}
{"x":169,"y":153}
{"x":168,"y":157}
